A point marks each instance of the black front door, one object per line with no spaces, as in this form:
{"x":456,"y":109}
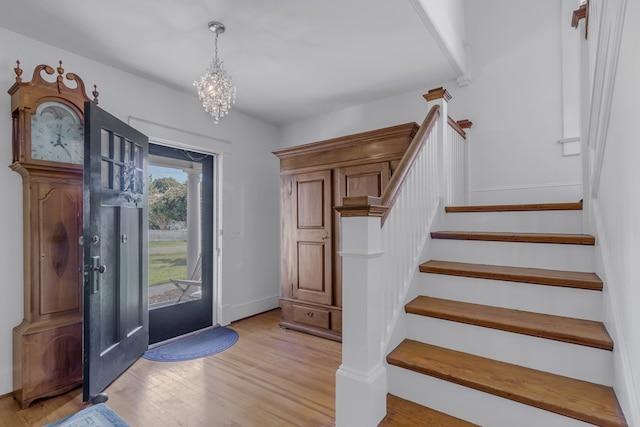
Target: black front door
{"x":116,"y":326}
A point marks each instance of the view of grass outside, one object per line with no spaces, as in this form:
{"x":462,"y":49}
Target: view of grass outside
{"x":166,"y":264}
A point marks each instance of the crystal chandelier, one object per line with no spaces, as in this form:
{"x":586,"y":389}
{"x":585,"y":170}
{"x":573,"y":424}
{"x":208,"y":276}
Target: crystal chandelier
{"x":215,"y":88}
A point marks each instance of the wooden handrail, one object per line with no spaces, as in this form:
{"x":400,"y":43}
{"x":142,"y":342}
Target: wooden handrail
{"x":373,"y":206}
{"x":581,"y":13}
{"x":392,"y":190}
{"x":460,"y":125}
{"x":455,"y":126}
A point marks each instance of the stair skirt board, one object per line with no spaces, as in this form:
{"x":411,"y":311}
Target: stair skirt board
{"x":515,"y":254}
{"x":585,"y":304}
{"x":561,"y":358}
{"x":471,"y":405}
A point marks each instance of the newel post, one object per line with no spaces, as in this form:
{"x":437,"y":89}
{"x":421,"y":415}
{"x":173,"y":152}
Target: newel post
{"x":361,"y":380}
{"x":441,"y":97}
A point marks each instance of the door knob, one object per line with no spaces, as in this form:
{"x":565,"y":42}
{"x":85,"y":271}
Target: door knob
{"x":96,"y":267}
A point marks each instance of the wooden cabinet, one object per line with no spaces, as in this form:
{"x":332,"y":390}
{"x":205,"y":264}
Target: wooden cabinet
{"x":314,"y":178}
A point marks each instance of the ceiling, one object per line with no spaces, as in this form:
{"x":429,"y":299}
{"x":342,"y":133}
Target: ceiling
{"x":289,"y":59}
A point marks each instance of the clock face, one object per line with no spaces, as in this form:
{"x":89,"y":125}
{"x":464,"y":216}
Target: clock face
{"x":57,"y":134}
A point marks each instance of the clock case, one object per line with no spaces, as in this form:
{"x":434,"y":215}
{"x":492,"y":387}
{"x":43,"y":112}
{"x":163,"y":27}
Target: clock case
{"x":47,"y":345}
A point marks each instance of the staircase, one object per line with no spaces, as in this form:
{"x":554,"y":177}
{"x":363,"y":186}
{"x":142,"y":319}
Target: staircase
{"x":506,"y":328}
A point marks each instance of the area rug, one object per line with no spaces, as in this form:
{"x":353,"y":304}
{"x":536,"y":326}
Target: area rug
{"x":99,"y":415}
{"x":195,"y":346}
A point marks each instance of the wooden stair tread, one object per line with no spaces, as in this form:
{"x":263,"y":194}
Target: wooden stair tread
{"x":558,"y":238}
{"x":401,"y":413}
{"x":589,"y":402}
{"x":575,"y":206}
{"x":576,"y":331}
{"x":570,"y":279}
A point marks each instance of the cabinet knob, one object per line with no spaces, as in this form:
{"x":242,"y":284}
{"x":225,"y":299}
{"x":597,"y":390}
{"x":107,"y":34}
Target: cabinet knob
{"x":309,"y":313}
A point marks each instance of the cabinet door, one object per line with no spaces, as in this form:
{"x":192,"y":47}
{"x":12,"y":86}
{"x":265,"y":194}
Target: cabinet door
{"x":58,"y":253}
{"x":311,"y":234}
{"x":362,"y":180}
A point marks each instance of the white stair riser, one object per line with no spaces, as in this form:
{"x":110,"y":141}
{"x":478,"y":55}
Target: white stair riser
{"x":471,"y":405}
{"x":571,"y":360}
{"x":515,"y":254}
{"x":523,"y":222}
{"x":555,"y":300}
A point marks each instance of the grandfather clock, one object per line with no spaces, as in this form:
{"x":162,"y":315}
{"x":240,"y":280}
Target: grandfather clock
{"x":48,"y":148}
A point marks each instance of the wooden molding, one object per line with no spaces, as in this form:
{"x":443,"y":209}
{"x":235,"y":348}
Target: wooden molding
{"x":437,"y":93}
{"x":578,"y":14}
{"x":360,"y":201}
{"x":398,"y":131}
{"x":456,"y":127}
{"x":556,"y":238}
{"x":361,"y":206}
{"x":379,"y":145}
{"x":465,"y":123}
{"x":536,"y":276}
{"x":577,"y":206}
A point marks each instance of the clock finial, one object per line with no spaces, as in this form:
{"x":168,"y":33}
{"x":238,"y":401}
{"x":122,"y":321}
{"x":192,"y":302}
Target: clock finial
{"x":95,"y":93}
{"x":18,"y":72}
{"x":60,"y":79}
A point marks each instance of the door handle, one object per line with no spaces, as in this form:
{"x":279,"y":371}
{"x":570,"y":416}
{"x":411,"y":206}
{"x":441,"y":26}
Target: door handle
{"x":96,"y":268}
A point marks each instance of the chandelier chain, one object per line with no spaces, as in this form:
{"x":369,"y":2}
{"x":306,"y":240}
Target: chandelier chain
{"x":216,"y":47}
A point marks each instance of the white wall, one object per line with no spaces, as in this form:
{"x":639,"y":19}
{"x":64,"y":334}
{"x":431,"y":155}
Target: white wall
{"x":617,"y":216}
{"x":514,"y":101}
{"x":250,"y":263}
{"x":403,"y":108}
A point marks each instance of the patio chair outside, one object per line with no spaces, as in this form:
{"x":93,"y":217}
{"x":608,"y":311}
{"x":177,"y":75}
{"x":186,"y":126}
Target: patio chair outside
{"x":195,"y":280}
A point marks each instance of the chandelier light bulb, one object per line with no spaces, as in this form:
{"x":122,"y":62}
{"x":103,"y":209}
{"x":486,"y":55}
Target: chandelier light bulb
{"x":215,"y":87}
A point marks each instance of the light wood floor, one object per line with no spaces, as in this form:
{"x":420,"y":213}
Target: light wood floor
{"x":270,"y":377}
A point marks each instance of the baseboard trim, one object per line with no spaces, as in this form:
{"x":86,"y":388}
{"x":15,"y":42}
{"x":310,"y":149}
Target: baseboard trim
{"x":233,"y":312}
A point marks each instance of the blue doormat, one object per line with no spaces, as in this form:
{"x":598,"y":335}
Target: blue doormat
{"x":99,"y":415}
{"x":202,"y":344}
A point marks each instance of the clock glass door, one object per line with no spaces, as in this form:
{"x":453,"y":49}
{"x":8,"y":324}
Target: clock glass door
{"x":115,"y":327}
{"x":181,"y":232}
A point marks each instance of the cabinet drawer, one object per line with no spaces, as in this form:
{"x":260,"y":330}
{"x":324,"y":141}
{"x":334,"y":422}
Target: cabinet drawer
{"x":311,"y":316}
